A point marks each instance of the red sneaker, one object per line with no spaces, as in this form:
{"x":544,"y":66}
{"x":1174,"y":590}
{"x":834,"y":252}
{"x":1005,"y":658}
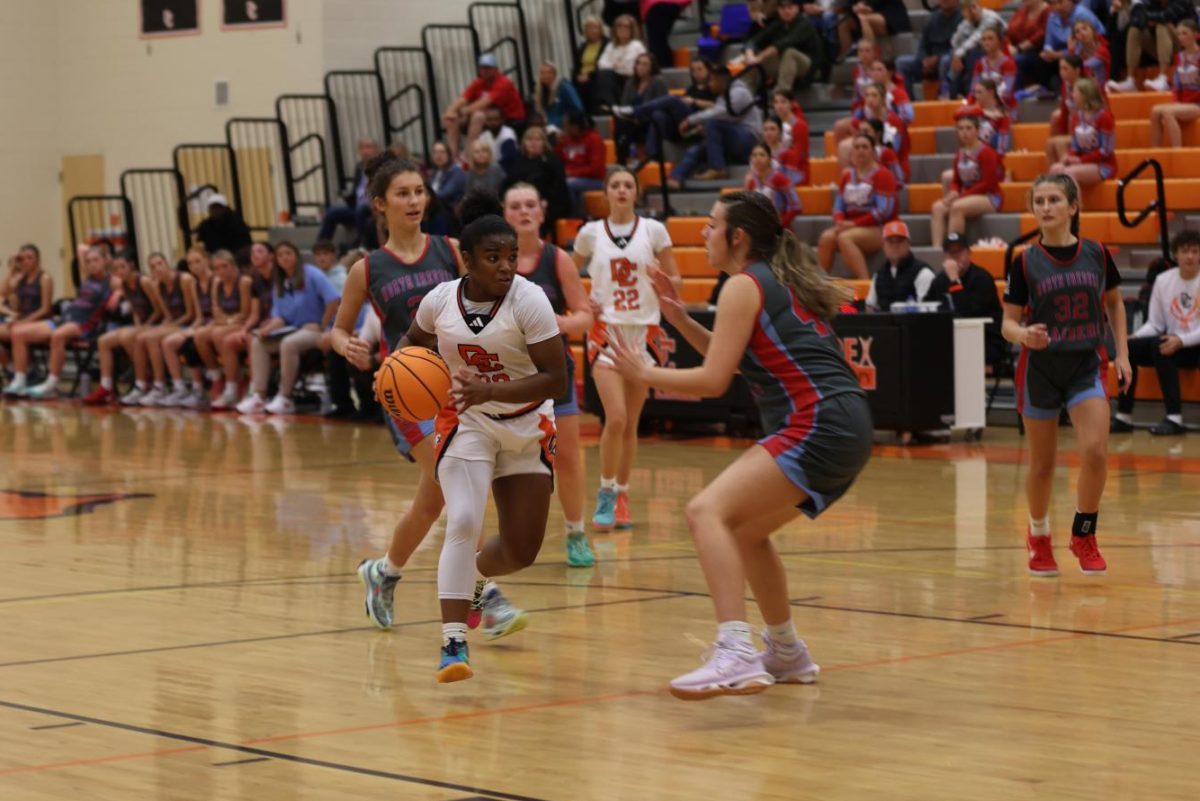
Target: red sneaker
{"x":621,"y":517}
{"x":1041,"y":556}
{"x":99,"y":397}
{"x":1091,"y":561}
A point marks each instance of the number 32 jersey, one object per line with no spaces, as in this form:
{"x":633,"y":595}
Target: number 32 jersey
{"x":618,"y":258}
{"x":490,"y":340}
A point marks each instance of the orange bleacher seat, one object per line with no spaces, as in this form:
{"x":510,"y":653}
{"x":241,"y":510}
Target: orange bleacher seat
{"x":934,"y":113}
{"x":815,"y":199}
{"x":687,"y":230}
{"x":565,"y":230}
{"x":1148,"y":388}
{"x":596,"y":204}
{"x":650,"y":175}
{"x":610,"y":151}
{"x":693,"y":262}
{"x":824,"y":171}
{"x":1104,"y":226}
{"x":861,"y":287}
{"x":1136,"y":105}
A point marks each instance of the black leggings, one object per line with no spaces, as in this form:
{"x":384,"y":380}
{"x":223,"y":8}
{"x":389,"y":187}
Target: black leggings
{"x":1144,"y":352}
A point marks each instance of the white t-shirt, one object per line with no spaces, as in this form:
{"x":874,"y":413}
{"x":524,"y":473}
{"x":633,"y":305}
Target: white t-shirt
{"x":1173,"y":309}
{"x":621,"y":58}
{"x":617,"y":260}
{"x":490,"y":339}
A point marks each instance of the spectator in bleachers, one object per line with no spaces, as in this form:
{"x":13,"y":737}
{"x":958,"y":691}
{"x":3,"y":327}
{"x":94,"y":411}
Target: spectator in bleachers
{"x":554,"y":96}
{"x":999,"y":67}
{"x":26,"y":295}
{"x":261,"y":257}
{"x":449,"y":185}
{"x":584,"y":158}
{"x":762,"y":14}
{"x":178,"y":348}
{"x":885,"y":155}
{"x":1091,"y":157}
{"x":134,"y":302}
{"x":1026,"y":36}
{"x":868,"y":54}
{"x":935,"y":42}
{"x":223,"y":227}
{"x":731,"y":127}
{"x":356,"y":214}
{"x":1059,"y":26}
{"x":341,"y":375}
{"x":1092,"y":51}
{"x":180,"y":307}
{"x":303,"y":304}
{"x":538,"y":166}
{"x":788,"y":49}
{"x":974,"y":187}
{"x":1070,"y":70}
{"x":483,"y":173}
{"x":883,"y":72}
{"x":967,"y":290}
{"x":80,"y":320}
{"x":325,"y":255}
{"x":587,"y":59}
{"x":670,"y":110}
{"x":895,"y":132}
{"x":866,"y":200}
{"x":1185,"y":90}
{"x":230,"y":303}
{"x":490,"y":90}
{"x":767,"y":177}
{"x":646,"y":86}
{"x":795,"y":157}
{"x":1169,"y":339}
{"x":903,"y":277}
{"x":501,"y":138}
{"x":773,"y":137}
{"x":871,"y":20}
{"x":1150,"y":32}
{"x":995,"y":126}
{"x":659,"y":18}
{"x":616,"y":63}
{"x":958,"y":65}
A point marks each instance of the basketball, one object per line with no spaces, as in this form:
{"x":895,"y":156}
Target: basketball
{"x":413,"y":384}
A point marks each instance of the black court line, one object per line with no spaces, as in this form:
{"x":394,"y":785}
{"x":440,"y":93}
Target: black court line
{"x":985,"y":617}
{"x":246,"y":761}
{"x":54,"y":726}
{"x":661,"y":596}
{"x":801,"y":600}
{"x":165,"y":587}
{"x":1186,"y":636}
{"x":268,"y":754}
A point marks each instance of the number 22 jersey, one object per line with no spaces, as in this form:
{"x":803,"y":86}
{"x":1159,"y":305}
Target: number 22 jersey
{"x":489,"y":339}
{"x":618,"y":258}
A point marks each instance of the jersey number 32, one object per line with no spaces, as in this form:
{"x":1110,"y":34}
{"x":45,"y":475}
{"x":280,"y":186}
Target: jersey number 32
{"x":624,"y":276}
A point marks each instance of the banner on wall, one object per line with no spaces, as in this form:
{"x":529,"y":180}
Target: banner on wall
{"x":169,"y":18}
{"x":240,"y":14}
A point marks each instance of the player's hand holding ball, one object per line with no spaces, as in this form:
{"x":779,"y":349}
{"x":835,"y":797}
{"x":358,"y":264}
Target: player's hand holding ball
{"x":468,"y":390}
{"x":1036,"y":337}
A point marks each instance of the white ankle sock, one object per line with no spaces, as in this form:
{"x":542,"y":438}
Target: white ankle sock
{"x":1125,"y":418}
{"x":106,"y":383}
{"x":1039,"y":528}
{"x":608,"y":483}
{"x":389,"y":567}
{"x":622,"y":489}
{"x":212,"y":375}
{"x":575,"y":527}
{"x":161,"y":386}
{"x":454,"y":631}
{"x":140,"y":386}
{"x":1177,"y":419}
{"x":19,"y":376}
{"x":784,"y":635}
{"x":736,"y":630}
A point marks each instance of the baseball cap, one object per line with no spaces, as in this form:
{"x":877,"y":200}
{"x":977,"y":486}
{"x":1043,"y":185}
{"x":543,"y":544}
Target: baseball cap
{"x":488,"y":60}
{"x":218,"y":200}
{"x":896,"y":228}
{"x":953,"y":240}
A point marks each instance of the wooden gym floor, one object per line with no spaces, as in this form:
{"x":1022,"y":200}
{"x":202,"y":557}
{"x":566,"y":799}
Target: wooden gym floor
{"x":180,"y":619}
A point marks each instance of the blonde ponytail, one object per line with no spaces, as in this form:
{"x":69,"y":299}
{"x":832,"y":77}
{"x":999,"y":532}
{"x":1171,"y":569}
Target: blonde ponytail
{"x":795,"y":266}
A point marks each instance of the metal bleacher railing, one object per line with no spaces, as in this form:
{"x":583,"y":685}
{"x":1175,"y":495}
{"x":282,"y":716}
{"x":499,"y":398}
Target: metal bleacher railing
{"x":294,"y":164}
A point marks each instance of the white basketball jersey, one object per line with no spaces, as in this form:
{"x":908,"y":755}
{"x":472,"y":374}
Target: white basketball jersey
{"x":620,"y":283}
{"x":492,"y":342}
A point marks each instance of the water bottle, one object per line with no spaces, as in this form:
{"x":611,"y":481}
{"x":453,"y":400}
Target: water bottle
{"x":85,"y":384}
{"x":910,"y":305}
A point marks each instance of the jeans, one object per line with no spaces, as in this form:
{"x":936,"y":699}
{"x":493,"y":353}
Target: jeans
{"x":577,"y":186}
{"x":1144,"y":352}
{"x":1031,"y":70}
{"x":659,"y":21}
{"x":360,"y":218}
{"x":909,"y":68}
{"x":956,"y":84}
{"x":668,"y":111}
{"x":723,"y":140}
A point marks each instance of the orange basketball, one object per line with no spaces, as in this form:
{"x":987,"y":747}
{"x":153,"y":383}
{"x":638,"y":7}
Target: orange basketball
{"x":413,"y":384}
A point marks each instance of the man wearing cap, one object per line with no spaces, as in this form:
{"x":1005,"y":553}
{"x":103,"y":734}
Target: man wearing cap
{"x":489,"y":89}
{"x":903,"y":277}
{"x":968,"y":290}
{"x":223,"y":228}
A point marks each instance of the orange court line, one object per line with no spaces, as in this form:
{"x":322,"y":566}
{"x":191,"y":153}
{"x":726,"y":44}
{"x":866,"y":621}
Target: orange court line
{"x":101,"y":760}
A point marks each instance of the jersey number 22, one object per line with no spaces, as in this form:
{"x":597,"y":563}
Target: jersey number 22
{"x":624,"y":275}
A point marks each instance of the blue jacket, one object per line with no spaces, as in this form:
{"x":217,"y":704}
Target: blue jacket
{"x":299,"y":307}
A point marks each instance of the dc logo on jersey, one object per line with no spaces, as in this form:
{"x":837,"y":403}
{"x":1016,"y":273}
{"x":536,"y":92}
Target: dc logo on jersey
{"x":968,"y":171}
{"x":858,"y":193}
{"x":1087,"y":137}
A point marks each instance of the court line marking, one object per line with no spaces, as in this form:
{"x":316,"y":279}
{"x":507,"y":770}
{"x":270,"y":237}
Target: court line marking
{"x":54,"y":726}
{"x":246,"y":761}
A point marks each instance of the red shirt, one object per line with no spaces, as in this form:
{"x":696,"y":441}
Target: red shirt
{"x":978,"y":173}
{"x":1185,"y":86}
{"x":501,"y":92}
{"x":1022,"y":28}
{"x":796,"y":157}
{"x":583,"y":157}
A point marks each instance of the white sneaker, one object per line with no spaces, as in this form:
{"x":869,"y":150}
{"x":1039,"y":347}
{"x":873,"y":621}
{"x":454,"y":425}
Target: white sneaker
{"x":17,"y":387}
{"x":228,"y":400}
{"x":1116,"y":87}
{"x":44,"y":391}
{"x":196,"y":399}
{"x":251,"y":404}
{"x":1158,"y":84}
{"x":175,"y":398}
{"x":152,"y":398}
{"x":131,"y":398}
{"x":793,"y":666}
{"x":730,"y":668}
{"x":281,"y":405}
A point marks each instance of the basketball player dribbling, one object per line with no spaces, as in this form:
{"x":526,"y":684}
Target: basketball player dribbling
{"x":772,"y":325}
{"x":499,"y":335}
{"x":1060,"y":291}
{"x":395,"y":278}
{"x":618,"y":251}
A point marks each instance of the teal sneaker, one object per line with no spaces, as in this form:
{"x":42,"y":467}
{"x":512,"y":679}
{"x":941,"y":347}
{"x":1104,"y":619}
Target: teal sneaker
{"x":606,"y":510}
{"x":579,"y":551}
{"x":380,"y":587}
{"x":455,"y":664}
{"x":500,"y":618}
{"x":46,"y":390}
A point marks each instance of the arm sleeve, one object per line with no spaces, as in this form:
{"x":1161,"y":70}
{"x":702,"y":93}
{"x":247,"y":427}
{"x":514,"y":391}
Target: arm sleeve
{"x":431,"y":304}
{"x":326,"y":291}
{"x":1156,"y":321}
{"x":536,"y":316}
{"x":1017,"y":291}
{"x":873,"y":297}
{"x":606,"y":60}
{"x":885,"y":200}
{"x":585,"y":241}
{"x":660,"y":239}
{"x":923,"y":282}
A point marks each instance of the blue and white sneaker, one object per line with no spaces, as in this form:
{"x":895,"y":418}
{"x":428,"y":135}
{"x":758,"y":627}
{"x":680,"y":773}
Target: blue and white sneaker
{"x":46,"y":390}
{"x":380,"y":588}
{"x":500,"y":618}
{"x":606,"y":510}
{"x":455,"y":664}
